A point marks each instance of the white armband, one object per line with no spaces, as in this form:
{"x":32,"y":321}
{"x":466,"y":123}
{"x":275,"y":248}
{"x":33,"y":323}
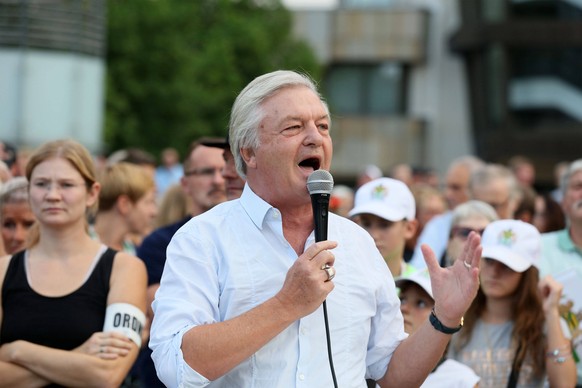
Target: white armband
{"x":126,"y":319}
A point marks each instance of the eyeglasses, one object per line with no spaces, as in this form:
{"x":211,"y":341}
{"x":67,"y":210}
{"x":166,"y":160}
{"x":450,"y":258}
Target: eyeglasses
{"x":207,"y":171}
{"x":463,"y":232}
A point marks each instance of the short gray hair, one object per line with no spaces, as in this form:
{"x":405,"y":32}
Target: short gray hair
{"x":473,"y":208}
{"x":573,"y":168}
{"x":470,"y":162}
{"x":490,"y":172}
{"x":14,"y":190}
{"x":246,"y":114}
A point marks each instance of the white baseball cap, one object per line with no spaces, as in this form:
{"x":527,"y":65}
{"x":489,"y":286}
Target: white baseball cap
{"x":387,"y":198}
{"x":514,"y":243}
{"x":420,"y":277}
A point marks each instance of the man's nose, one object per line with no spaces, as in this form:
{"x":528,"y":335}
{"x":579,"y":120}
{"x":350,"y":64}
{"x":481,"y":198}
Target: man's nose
{"x":313,"y":135}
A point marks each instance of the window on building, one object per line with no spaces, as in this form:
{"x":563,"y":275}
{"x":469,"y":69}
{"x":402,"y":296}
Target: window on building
{"x":366,"y":89}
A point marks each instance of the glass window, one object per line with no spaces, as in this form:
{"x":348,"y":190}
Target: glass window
{"x":366,"y":89}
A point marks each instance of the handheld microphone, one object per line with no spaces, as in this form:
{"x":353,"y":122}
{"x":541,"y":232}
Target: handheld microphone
{"x":319,"y":185}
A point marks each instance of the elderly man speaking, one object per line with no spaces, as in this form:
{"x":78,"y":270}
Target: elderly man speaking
{"x":240,"y":301}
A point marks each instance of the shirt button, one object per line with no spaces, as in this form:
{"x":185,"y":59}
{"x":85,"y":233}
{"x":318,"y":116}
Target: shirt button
{"x":302,"y":377}
{"x":303,"y":331}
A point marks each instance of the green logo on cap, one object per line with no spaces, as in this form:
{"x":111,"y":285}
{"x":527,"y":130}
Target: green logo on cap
{"x":507,"y":237}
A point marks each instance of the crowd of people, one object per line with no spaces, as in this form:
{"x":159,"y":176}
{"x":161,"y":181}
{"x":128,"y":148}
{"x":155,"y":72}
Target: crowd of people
{"x":205,"y":271}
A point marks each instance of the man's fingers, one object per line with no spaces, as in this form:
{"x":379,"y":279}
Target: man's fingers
{"x":317,"y":248}
{"x":429,"y":258}
{"x":473,"y":249}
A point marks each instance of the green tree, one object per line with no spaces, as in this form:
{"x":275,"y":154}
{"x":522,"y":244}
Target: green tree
{"x":174,"y":67}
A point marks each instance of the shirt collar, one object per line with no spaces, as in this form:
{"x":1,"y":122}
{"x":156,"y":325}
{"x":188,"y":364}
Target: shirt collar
{"x":565,"y":242}
{"x":254,"y":206}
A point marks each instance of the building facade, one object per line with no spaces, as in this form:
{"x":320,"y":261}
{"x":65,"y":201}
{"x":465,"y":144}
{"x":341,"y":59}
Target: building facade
{"x":426,"y":81}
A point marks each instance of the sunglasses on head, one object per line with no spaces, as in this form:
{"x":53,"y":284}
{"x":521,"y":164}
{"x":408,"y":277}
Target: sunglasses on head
{"x":463,"y":232}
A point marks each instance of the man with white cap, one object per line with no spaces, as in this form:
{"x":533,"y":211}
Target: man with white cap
{"x":385,"y":207}
{"x":416,"y":304}
{"x":513,"y":333}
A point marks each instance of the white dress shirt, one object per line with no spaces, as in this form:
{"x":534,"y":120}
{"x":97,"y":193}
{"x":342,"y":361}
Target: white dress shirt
{"x":233,"y":258}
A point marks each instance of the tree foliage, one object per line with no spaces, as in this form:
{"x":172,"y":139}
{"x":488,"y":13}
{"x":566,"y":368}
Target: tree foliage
{"x":174,"y":67}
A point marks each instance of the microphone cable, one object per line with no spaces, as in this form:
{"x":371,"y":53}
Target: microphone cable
{"x":328,"y":338}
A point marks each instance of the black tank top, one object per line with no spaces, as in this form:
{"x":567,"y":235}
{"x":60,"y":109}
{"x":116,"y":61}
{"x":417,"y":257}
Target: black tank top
{"x":63,"y":322}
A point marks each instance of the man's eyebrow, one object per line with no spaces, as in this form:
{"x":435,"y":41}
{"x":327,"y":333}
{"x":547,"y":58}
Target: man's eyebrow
{"x":298,"y":118}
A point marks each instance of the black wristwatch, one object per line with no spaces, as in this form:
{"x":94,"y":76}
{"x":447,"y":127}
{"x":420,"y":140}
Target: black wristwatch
{"x":438,"y":325}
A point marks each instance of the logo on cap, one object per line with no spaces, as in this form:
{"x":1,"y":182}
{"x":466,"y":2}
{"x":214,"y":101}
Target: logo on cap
{"x":380,"y":192}
{"x":507,"y":238}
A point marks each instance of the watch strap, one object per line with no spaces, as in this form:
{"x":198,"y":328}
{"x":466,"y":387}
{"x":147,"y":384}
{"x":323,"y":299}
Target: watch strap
{"x":438,"y":325}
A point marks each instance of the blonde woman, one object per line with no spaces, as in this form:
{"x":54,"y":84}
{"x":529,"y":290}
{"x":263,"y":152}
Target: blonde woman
{"x":72,"y":310}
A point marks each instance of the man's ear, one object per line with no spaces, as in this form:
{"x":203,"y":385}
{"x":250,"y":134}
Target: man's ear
{"x":248,"y":155}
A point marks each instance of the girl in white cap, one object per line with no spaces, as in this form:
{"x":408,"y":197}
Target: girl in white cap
{"x":513,"y":335}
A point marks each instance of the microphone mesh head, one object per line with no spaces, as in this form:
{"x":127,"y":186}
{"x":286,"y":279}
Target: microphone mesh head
{"x":320,"y":182}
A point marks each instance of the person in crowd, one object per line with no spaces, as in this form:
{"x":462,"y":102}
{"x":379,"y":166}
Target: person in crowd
{"x":240,"y":300}
{"x":423,"y":175}
{"x":562,"y":249}
{"x":385,"y":208}
{"x":341,"y":200}
{"x":548,"y":215}
{"x":16,"y":217}
{"x":19,"y":167}
{"x":9,"y":155}
{"x":436,"y":232}
{"x":169,"y":171}
{"x":60,"y":296}
{"x":134,"y":156}
{"x":496,"y":185}
{"x":368,"y":173}
{"x":233,"y":182}
{"x":416,"y":304}
{"x":403,"y":172}
{"x":430,"y":203}
{"x":523,"y":169}
{"x":144,"y":159}
{"x":174,"y":206}
{"x":513,"y":334}
{"x":204,"y":185}
{"x":471,"y":216}
{"x":5,"y":174}
{"x":559,"y":171}
{"x":127,"y":205}
{"x":526,"y":208}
